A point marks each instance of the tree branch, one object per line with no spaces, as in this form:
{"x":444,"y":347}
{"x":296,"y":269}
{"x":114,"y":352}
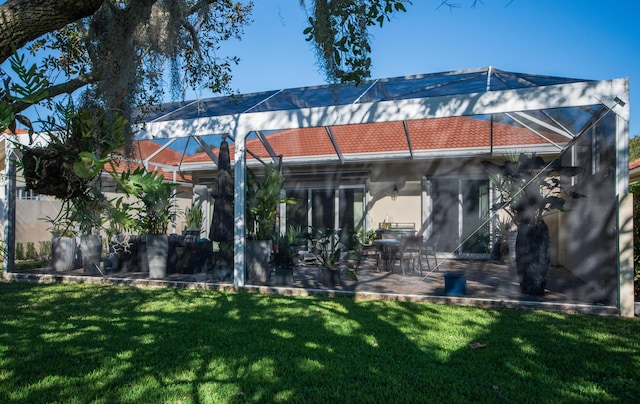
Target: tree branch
{"x":23,"y":21}
{"x":67,"y":87}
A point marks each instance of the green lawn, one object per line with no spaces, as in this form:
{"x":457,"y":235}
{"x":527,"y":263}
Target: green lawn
{"x":84,"y":343}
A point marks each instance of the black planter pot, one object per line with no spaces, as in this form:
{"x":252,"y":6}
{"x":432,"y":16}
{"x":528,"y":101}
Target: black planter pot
{"x":141,"y":258}
{"x":331,"y":276}
{"x":91,"y":249}
{"x":176,"y":245}
{"x":196,"y":256}
{"x":121,"y":256}
{"x":283,"y":276}
{"x":127,"y":261}
{"x":128,"y":256}
{"x":63,"y":251}
{"x":533,"y":255}
{"x":258,"y":254}
{"x":201,"y":257}
{"x":157,"y":255}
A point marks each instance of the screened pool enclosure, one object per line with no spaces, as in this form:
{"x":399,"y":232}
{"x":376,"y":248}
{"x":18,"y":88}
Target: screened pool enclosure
{"x":410,"y":150}
{"x":411,"y":154}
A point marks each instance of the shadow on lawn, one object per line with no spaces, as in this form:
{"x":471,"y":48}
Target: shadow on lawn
{"x":95,"y":343}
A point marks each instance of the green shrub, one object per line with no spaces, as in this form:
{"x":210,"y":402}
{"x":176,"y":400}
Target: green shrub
{"x":635,"y":190}
{"x":31,"y":251}
{"x":45,"y":249}
{"x":20,"y":251}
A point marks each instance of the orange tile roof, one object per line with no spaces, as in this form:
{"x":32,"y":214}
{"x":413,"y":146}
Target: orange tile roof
{"x":385,"y":137}
{"x":142,"y":149}
{"x":634,"y":164}
{"x":145,"y":148}
{"x":18,"y":132}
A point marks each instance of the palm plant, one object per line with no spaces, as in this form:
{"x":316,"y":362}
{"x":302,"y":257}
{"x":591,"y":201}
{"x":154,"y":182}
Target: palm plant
{"x":328,"y":247}
{"x":530,"y":187}
{"x":194,"y":217}
{"x":155,"y":195}
{"x":263,"y":197}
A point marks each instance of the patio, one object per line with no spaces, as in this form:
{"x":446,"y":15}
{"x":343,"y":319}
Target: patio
{"x":488,"y":284}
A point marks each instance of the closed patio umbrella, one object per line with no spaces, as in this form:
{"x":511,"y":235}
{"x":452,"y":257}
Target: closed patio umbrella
{"x":222,"y":224}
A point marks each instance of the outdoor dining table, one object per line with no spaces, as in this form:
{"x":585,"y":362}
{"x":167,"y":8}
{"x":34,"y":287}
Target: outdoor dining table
{"x":388,"y":249}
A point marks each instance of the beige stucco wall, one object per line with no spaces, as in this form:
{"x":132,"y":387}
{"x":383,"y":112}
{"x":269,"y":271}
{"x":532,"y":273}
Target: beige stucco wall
{"x":405,"y":209}
{"x":31,"y":224}
{"x":31,"y":215}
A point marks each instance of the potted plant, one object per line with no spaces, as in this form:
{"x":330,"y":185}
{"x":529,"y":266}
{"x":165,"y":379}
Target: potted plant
{"x":193,"y":215}
{"x":120,"y":228}
{"x":80,"y":144}
{"x":197,"y":251}
{"x":363,"y":238}
{"x":86,"y":211}
{"x":530,"y":188}
{"x":80,"y":216}
{"x":505,"y":242}
{"x":154,"y":214}
{"x":286,"y":255}
{"x":263,"y":198}
{"x":63,"y":242}
{"x":327,"y":247}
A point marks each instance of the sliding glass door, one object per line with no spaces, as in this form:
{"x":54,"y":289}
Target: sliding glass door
{"x":460,"y":213}
{"x":324,"y":208}
{"x":475,"y":217}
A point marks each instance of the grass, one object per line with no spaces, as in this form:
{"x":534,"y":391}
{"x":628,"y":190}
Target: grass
{"x":88,"y":343}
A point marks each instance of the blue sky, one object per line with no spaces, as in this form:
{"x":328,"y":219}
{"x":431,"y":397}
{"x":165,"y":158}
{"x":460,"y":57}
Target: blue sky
{"x":587,"y":39}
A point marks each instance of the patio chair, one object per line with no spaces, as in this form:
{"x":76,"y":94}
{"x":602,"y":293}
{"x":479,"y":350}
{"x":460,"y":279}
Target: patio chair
{"x":429,"y":247}
{"x":409,"y":251}
{"x":369,"y":251}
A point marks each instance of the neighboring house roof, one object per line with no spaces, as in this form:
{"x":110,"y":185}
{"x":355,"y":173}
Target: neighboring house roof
{"x":634,"y":171}
{"x":18,"y":132}
{"x":435,"y":135}
{"x":142,"y":149}
{"x":160,"y":159}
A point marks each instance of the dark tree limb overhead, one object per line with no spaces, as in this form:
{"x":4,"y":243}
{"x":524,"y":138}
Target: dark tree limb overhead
{"x":23,"y":21}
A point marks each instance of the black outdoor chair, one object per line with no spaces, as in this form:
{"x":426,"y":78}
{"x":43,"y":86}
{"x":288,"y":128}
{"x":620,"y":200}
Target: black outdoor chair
{"x":409,"y":252}
{"x":430,"y":247}
{"x":369,"y":251}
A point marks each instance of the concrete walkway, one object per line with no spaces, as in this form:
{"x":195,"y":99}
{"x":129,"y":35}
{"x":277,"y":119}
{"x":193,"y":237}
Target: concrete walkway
{"x":484,"y":284}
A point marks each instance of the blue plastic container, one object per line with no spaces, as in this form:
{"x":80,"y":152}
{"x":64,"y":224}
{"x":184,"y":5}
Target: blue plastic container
{"x":455,"y":284}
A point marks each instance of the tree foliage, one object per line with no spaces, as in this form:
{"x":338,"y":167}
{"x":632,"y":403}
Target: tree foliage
{"x":339,"y":30}
{"x":119,"y":51}
{"x":126,"y":53}
{"x":634,"y":148}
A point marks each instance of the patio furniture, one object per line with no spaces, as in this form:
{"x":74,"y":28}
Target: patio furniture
{"x":430,"y":247}
{"x":388,"y":249}
{"x":395,"y":230}
{"x":409,"y":251}
{"x":371,"y":250}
